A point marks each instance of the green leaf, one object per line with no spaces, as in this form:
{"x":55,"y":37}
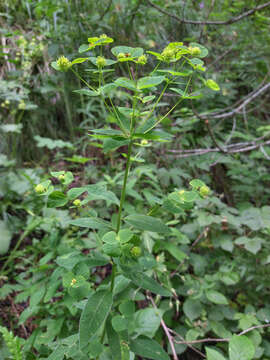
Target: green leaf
{"x":204,"y":51}
{"x":126,"y":83}
{"x":6,"y":236}
{"x":114,"y":340}
{"x":79,"y":61}
{"x":192,"y":309}
{"x":212,"y":85}
{"x":57,"y":199}
{"x":148,"y":348}
{"x":148,"y":223}
{"x":83,"y":48}
{"x":91,"y":223}
{"x":196,"y":183}
{"x":241,"y":348}
{"x":112,"y":144}
{"x":148,"y":98}
{"x":58,"y":353}
{"x":87,"y":92}
{"x":93,"y":316}
{"x":142,"y":280}
{"x":75,"y":192}
{"x":119,"y":323}
{"x":134,"y":52}
{"x":175,"y":251}
{"x":149,"y":81}
{"x":146,"y":322}
{"x":216,"y":297}
{"x":213,"y":354}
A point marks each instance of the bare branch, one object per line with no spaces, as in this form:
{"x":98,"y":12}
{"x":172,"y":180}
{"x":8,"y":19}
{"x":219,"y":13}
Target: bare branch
{"x":219,"y":340}
{"x":239,"y":108}
{"x":230,"y":149}
{"x":196,"y":22}
{"x":170,"y":339}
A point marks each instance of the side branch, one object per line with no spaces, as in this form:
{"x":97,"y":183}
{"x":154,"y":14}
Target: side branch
{"x":196,"y":22}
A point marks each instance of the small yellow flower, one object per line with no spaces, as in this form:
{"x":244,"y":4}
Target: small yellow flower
{"x":22,"y":105}
{"x":168,"y":54}
{"x":136,"y":251}
{"x":144,"y":142}
{"x":63,"y":63}
{"x":181,"y":192}
{"x":61,"y":177}
{"x":103,"y":36}
{"x":77,"y":202}
{"x":121,"y":56}
{"x":101,"y":61}
{"x":142,"y":60}
{"x":73,"y":282}
{"x":194,"y":50}
{"x":204,"y":191}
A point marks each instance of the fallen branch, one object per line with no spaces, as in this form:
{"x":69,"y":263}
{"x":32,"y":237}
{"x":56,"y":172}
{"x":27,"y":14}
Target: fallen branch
{"x":166,"y":330}
{"x":218,"y":340}
{"x":196,"y":22}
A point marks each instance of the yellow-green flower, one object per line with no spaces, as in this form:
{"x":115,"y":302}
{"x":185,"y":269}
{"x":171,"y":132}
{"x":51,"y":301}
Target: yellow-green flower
{"x":77,"y":202}
{"x":101,"y":61}
{"x":40,"y":189}
{"x":63,"y":63}
{"x":61,"y":177}
{"x":194,"y":51}
{"x":136,"y":251}
{"x":142,"y":60}
{"x":204,"y":191}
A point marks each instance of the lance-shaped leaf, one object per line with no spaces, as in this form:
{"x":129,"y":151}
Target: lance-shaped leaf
{"x":93,"y":316}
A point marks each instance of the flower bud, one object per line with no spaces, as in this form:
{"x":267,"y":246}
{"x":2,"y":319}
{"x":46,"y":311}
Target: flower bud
{"x":142,"y":60}
{"x":101,"y":61}
{"x":63,"y":63}
{"x":136,"y":251}
{"x":73,"y":282}
{"x":22,"y":105}
{"x":167,"y":54}
{"x":204,"y":191}
{"x":61,"y":177}
{"x":77,"y":202}
{"x":121,"y":56}
{"x":144,"y":142}
{"x":40,"y":189}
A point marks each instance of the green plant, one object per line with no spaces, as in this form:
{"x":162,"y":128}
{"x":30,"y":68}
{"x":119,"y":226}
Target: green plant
{"x":109,"y":316}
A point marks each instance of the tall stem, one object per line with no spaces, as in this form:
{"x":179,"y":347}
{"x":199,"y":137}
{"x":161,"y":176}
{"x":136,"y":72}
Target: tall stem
{"x":123,"y":192}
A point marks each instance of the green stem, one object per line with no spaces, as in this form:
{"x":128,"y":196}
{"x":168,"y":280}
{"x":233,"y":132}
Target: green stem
{"x":123,"y":192}
{"x":175,"y":105}
{"x":85,"y":82}
{"x":113,"y":276}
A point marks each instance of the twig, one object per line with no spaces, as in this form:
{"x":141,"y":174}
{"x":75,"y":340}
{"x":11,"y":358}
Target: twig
{"x":236,"y":110}
{"x":187,"y":344}
{"x":196,"y":22}
{"x":166,"y":330}
{"x":264,"y":153}
{"x":231,"y":150}
{"x":220,"y":340}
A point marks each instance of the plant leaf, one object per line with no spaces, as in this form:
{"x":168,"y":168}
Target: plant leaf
{"x":93,"y":316}
{"x":148,"y":348}
{"x":148,"y":223}
{"x":241,"y":348}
